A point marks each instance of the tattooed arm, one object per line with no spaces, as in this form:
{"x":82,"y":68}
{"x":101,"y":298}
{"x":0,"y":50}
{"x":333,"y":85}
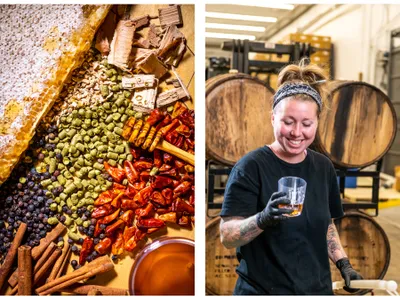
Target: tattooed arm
{"x":335,"y":249}
{"x":238,"y":231}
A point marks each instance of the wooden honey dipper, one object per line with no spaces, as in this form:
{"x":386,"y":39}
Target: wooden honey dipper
{"x":141,"y":133}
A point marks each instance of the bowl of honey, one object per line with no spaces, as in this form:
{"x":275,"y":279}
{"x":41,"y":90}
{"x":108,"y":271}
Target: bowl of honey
{"x":164,"y":267}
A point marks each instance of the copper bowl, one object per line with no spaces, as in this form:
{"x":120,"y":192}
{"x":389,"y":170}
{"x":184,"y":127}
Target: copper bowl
{"x":164,"y":267}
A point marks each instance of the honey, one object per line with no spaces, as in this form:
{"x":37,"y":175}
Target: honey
{"x":166,"y":270}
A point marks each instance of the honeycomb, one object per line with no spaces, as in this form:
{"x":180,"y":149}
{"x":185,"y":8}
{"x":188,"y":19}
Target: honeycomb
{"x":40,"y":46}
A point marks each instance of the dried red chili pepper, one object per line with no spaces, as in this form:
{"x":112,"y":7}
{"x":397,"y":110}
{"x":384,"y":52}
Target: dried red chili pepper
{"x":179,"y":164}
{"x":144,"y":212}
{"x":136,"y":152}
{"x":139,"y":185}
{"x":188,"y":177}
{"x":190,"y":143}
{"x":168,"y":217}
{"x":109,"y":218}
{"x":131,"y":244}
{"x":182,"y":188}
{"x":185,"y":221}
{"x":191,"y":197}
{"x":151,"y":230}
{"x":130,"y":192}
{"x":177,"y":107}
{"x":169,"y":127}
{"x":181,"y":206}
{"x":128,"y":204}
{"x":110,"y":230}
{"x":103,"y":198}
{"x":128,"y":217}
{"x":183,"y":130}
{"x":144,"y":224}
{"x":142,"y":165}
{"x":168,"y":195}
{"x":131,"y":173}
{"x":129,"y":232}
{"x":158,"y":198}
{"x":179,"y":142}
{"x":87,"y":248}
{"x":187,"y":118}
{"x":164,"y":167}
{"x":97,"y":229}
{"x":116,"y":202}
{"x":155,"y":116}
{"x":142,"y":197}
{"x":162,"y":211}
{"x":161,"y":182}
{"x":164,"y":122}
{"x":172,"y":137}
{"x":171,"y":173}
{"x":168,"y":158}
{"x":117,"y":187}
{"x":145,"y":176}
{"x":157,"y":158}
{"x":118,"y":245}
{"x":102,"y":211}
{"x":116,"y":174}
{"x":103,"y":246}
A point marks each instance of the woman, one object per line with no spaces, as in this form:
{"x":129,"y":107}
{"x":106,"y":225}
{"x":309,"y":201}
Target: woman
{"x":278,"y":254}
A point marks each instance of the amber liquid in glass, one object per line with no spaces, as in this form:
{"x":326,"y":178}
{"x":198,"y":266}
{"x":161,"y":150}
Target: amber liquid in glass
{"x":168,"y":270}
{"x":297,"y":208}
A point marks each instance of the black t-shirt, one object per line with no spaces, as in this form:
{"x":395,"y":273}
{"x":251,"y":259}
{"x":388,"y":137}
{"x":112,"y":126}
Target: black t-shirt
{"x":291,"y":257}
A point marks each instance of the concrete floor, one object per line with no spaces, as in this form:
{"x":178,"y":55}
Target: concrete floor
{"x":389,"y":219}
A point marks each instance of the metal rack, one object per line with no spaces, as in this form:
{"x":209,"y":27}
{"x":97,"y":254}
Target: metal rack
{"x":215,"y":169}
{"x":241,"y":49}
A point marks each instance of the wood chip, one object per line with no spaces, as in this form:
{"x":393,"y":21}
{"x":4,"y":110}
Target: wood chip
{"x":121,"y":45}
{"x":170,"y":15}
{"x":168,"y":97}
{"x":172,"y":46}
{"x":138,"y":81}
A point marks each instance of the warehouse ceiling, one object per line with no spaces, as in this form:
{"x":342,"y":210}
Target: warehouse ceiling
{"x":217,"y":24}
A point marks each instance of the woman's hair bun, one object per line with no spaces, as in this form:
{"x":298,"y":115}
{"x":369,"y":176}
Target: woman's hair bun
{"x":307,"y":73}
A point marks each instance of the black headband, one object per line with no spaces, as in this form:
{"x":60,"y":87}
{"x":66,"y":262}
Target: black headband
{"x":292,"y":89}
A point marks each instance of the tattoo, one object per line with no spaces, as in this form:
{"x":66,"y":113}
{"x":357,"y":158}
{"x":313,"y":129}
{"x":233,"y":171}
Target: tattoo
{"x":238,"y":231}
{"x":335,"y":249}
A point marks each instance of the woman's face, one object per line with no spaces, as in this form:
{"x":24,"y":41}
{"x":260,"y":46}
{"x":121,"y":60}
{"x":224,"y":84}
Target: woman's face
{"x":295,"y":125}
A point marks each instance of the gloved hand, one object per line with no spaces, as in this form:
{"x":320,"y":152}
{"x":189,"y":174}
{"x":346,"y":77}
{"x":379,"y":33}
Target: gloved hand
{"x":348,"y":273}
{"x":272,"y":214}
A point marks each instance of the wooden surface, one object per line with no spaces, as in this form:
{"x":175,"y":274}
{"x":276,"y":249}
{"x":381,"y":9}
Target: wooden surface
{"x":366,"y":245}
{"x":220,"y":262}
{"x":359,"y":125}
{"x":238,"y":116}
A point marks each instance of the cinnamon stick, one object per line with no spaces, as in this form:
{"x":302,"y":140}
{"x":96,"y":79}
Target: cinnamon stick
{"x":104,"y":290}
{"x":24,"y":270}
{"x":11,"y":254}
{"x":66,"y":259}
{"x":47,"y":265}
{"x":97,"y":266}
{"x":38,"y":250}
{"x":38,"y":266}
{"x":94,"y":292}
{"x":59,"y":262}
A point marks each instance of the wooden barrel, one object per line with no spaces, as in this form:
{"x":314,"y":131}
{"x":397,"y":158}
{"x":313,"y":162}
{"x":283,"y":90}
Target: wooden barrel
{"x":362,"y":238}
{"x":366,"y":244}
{"x":221,"y":263}
{"x":238,"y":119}
{"x":359,"y":125}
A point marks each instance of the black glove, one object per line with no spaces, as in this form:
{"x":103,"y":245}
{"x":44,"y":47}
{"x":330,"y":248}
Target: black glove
{"x":272,"y":214}
{"x":348,"y":273}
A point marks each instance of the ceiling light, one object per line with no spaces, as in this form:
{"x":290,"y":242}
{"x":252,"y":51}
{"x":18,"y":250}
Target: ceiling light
{"x":278,"y":6}
{"x":230,"y":36}
{"x":239,"y":17}
{"x":235,"y":27}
